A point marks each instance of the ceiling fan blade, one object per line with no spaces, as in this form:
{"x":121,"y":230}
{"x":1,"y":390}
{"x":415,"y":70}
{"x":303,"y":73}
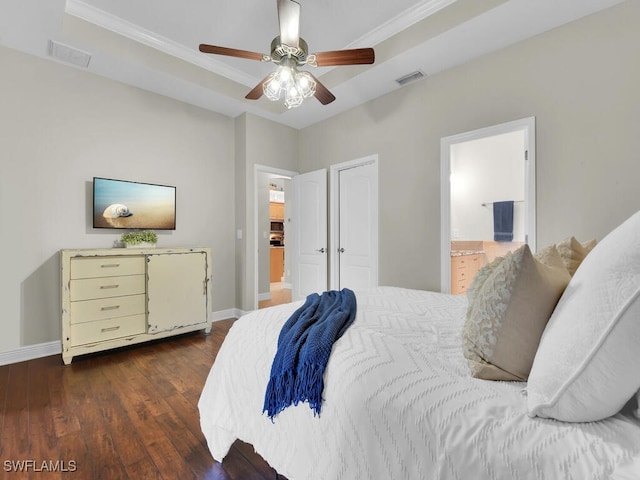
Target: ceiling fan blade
{"x":257,"y":91}
{"x":323,"y":94}
{"x":289,"y":19}
{"x":230,"y":52}
{"x":356,"y":56}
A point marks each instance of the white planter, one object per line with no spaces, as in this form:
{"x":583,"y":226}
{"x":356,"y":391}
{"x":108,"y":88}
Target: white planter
{"x":140,"y":245}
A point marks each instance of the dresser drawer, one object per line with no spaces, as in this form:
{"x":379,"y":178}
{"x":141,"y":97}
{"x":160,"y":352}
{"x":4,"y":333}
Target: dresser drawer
{"x":112,"y":307}
{"x":460,"y":263}
{"x":92,"y":288}
{"x":101,"y":330}
{"x":91,"y":267}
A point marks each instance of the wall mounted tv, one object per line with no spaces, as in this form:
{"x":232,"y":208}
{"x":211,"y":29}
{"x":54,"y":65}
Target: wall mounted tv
{"x":133,"y":205}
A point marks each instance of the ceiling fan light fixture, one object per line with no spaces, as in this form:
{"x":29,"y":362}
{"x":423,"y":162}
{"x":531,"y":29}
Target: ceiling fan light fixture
{"x":289,"y":51}
{"x":293,"y":98}
{"x":294,"y":85}
{"x":278,"y":82}
{"x":306,"y":84}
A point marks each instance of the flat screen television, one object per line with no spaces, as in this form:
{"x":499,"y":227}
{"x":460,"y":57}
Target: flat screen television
{"x":133,"y":205}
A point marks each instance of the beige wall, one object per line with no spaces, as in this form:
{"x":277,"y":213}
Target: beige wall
{"x":580,"y":81}
{"x":259,"y":142}
{"x":59,"y":127}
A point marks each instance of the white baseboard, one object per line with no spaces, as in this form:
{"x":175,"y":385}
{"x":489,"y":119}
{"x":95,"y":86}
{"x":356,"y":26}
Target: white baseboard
{"x":31,"y":352}
{"x":226,"y":314}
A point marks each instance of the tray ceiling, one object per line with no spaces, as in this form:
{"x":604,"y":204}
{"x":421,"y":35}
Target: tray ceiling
{"x":153,"y":44}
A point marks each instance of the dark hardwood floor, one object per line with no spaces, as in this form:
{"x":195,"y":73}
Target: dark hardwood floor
{"x":124,"y":414}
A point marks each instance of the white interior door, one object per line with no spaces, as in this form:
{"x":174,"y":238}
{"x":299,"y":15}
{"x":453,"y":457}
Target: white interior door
{"x":357,"y":222}
{"x":309,"y":232}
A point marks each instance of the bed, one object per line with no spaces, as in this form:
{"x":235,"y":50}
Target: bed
{"x":399,"y":403}
{"x":535,"y":374}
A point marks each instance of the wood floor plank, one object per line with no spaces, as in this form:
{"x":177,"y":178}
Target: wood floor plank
{"x":74,"y":452}
{"x":144,"y":469}
{"x":4,"y":381}
{"x":43,"y":442}
{"x":65,"y":419}
{"x":102,"y":456}
{"x":189,"y":446}
{"x":126,"y":414}
{"x":142,"y":410}
{"x":124,"y":436}
{"x":16,"y":420}
{"x":239,"y":467}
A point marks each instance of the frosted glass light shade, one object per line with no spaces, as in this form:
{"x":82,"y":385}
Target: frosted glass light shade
{"x":291,"y":84}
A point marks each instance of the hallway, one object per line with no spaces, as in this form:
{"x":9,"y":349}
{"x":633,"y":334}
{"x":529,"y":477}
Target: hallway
{"x":279,"y":295}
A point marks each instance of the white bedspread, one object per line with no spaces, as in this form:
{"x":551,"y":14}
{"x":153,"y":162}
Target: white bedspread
{"x":399,"y":404}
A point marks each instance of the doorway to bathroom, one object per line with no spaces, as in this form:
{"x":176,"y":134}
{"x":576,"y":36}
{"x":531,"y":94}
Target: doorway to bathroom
{"x":488,"y":198}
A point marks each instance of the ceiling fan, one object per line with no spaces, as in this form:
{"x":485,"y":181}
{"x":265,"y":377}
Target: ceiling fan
{"x":289,"y":51}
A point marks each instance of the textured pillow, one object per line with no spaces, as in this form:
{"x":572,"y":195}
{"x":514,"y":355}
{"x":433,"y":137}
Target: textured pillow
{"x":510,"y":302}
{"x":573,"y":252}
{"x":587,"y":364}
{"x":588,"y":246}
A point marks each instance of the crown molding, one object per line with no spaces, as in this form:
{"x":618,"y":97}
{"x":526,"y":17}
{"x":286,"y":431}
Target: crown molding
{"x":400,"y":22}
{"x":117,"y":25}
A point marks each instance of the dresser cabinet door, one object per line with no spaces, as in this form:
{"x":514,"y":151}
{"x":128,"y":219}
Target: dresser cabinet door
{"x":176,"y":290}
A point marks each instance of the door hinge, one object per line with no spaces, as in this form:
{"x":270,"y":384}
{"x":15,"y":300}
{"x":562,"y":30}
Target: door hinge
{"x":526,"y":154}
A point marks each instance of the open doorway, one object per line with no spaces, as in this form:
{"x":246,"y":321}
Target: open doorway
{"x":484,"y":172}
{"x":273,"y":270}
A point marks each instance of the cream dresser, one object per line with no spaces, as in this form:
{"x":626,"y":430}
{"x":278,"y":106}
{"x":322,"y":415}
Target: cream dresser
{"x":122,"y":296}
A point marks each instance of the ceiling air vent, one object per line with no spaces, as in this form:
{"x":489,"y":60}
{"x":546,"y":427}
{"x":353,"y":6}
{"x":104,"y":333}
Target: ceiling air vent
{"x":411,"y":77}
{"x":69,"y":54}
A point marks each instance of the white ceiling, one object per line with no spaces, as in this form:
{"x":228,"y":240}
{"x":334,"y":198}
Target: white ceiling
{"x":153,"y":44}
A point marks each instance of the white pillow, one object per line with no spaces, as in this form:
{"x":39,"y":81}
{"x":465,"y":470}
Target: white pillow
{"x":588,"y":362}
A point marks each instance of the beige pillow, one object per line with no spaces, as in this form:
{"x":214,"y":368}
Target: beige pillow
{"x":510,"y":302}
{"x":573,"y":252}
{"x":588,"y":246}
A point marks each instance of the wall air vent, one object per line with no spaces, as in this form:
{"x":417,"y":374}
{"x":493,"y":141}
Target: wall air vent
{"x":68,"y":54}
{"x":411,"y":77}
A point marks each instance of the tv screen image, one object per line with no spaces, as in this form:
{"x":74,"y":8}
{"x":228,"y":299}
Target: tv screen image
{"x":133,"y":205}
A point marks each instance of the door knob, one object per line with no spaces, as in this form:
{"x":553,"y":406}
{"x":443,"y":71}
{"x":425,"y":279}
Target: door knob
{"x":341,"y":250}
{"x":321,"y":250}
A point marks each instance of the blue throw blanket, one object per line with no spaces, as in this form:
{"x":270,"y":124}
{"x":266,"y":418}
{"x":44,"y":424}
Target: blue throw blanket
{"x":304,"y":345}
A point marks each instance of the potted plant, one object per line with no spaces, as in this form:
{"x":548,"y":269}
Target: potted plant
{"x":145,"y":239}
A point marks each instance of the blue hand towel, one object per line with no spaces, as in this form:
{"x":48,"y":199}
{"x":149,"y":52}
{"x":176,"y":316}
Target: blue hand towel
{"x":304,"y":345}
{"x":503,"y":221}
